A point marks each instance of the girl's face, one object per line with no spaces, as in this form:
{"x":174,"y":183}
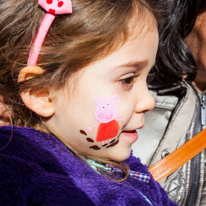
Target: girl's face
{"x":101,"y":115}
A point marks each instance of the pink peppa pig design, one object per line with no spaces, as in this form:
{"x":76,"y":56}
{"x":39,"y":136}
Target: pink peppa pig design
{"x":106,"y":113}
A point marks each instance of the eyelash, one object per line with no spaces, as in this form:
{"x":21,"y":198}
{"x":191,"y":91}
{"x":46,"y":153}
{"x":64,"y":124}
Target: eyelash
{"x":131,"y":80}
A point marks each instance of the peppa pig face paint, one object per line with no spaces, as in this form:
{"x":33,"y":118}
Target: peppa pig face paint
{"x":106,"y":112}
{"x":106,"y":109}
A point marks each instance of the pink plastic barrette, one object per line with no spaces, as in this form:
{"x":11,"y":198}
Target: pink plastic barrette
{"x":53,"y":8}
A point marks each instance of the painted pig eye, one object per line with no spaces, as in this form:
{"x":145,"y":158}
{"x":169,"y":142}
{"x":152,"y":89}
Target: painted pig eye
{"x":103,"y":107}
{"x":107,"y":104}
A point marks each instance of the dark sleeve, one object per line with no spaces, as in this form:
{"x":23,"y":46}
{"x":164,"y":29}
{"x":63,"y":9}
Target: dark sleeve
{"x":23,"y":183}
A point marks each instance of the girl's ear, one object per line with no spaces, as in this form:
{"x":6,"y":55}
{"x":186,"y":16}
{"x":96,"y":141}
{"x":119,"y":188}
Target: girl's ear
{"x":39,"y":102}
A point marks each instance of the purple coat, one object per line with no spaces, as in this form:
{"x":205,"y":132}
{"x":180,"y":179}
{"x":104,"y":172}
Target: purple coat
{"x":38,"y":169}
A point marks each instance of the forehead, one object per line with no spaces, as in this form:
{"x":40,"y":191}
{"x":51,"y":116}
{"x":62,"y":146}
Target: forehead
{"x":138,"y":52}
{"x":141,"y":43}
{"x":143,"y":21}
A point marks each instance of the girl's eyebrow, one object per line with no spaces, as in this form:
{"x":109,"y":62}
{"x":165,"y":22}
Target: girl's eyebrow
{"x":136,"y":64}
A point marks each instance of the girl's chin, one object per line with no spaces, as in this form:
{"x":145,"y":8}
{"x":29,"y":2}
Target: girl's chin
{"x":122,"y":156}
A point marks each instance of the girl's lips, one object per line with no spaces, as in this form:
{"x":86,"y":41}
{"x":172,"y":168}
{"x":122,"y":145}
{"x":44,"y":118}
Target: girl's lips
{"x":131,"y":134}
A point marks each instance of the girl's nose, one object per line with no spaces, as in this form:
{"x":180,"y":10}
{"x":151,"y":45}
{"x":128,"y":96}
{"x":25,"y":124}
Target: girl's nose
{"x":145,"y":102}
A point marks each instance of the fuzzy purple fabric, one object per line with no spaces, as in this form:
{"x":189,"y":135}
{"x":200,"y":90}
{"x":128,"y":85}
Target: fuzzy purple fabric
{"x":38,"y":169}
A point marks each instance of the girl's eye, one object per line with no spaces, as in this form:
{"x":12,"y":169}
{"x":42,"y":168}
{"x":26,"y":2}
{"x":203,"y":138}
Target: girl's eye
{"x":128,"y":82}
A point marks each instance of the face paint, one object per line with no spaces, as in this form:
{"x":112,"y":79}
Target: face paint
{"x":83,"y":132}
{"x":106,"y":109}
{"x":106,"y":113}
{"x":95,"y":147}
{"x":112,"y":145}
{"x":89,"y":140}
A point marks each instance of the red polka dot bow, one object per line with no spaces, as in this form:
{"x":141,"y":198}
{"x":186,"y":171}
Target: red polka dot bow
{"x":53,"y":8}
{"x":56,"y":6}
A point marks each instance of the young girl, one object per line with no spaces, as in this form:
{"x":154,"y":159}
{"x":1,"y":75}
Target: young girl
{"x":73,"y":78}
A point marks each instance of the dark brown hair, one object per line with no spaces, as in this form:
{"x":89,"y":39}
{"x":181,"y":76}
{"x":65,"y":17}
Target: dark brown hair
{"x":93,"y":30}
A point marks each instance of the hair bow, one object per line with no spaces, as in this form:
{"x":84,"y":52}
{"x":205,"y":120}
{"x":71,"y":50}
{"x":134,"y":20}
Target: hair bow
{"x":53,"y":8}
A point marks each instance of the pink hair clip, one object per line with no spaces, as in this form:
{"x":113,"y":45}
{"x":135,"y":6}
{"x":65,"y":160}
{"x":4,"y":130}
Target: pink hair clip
{"x":53,"y":8}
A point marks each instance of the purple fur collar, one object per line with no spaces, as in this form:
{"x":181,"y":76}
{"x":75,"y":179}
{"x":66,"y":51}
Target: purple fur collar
{"x":38,"y":169}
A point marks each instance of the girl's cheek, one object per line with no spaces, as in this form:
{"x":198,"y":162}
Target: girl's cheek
{"x":104,"y":133}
